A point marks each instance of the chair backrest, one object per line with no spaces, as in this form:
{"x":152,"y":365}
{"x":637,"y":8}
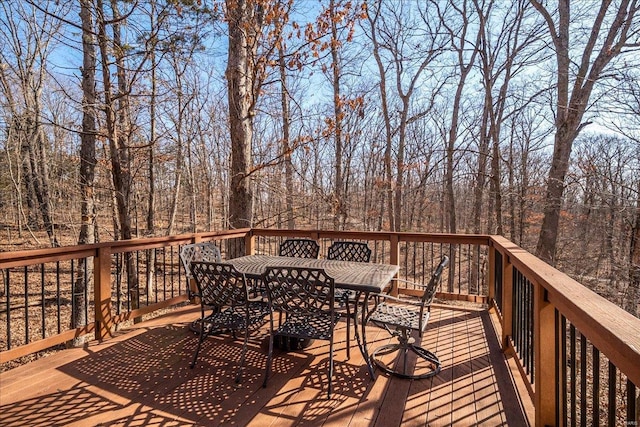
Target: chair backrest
{"x":299,"y":248}
{"x":203,"y":251}
{"x":219,"y":285}
{"x":349,"y":251}
{"x":300,"y":291}
{"x":432,"y":286}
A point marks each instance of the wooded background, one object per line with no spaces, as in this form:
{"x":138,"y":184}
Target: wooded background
{"x":125,"y":119}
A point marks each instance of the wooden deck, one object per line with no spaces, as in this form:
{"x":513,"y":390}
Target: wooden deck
{"x":142,"y":377}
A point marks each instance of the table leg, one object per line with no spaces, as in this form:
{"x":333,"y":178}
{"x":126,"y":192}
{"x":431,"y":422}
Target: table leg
{"x":362,"y":344}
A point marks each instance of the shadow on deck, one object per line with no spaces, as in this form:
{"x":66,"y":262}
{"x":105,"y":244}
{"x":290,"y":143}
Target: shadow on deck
{"x":142,"y":377}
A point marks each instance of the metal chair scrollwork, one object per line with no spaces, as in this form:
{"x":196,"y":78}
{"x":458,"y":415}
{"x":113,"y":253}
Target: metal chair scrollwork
{"x":348,"y":251}
{"x":223,"y":290}
{"x":203,"y":251}
{"x":305,"y":298}
{"x":299,"y":248}
{"x":400,"y":317}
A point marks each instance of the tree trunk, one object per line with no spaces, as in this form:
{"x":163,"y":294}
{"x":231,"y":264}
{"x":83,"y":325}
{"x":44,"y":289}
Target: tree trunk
{"x":495,"y":187}
{"x":523,"y":192}
{"x":511,"y":191}
{"x":483,"y":155}
{"x":28,"y":177}
{"x":286,"y":143}
{"x":633,"y":295}
{"x":29,"y":43}
{"x":245,"y":21}
{"x":116,"y":134}
{"x":39,"y":164}
{"x":405,"y":86}
{"x":87,"y":166}
{"x":547,"y":240}
{"x":464,"y":70}
{"x":151,"y":201}
{"x":386,"y":115}
{"x":339,"y":209}
{"x":177,"y":182}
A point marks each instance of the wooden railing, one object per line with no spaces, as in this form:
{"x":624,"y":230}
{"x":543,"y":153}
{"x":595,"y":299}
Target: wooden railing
{"x":546,"y":317}
{"x":578,"y":353}
{"x":116,"y":282}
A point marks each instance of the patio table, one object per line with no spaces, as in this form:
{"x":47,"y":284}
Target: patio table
{"x":361,"y":277}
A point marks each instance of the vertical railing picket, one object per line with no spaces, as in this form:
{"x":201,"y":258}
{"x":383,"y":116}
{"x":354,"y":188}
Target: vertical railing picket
{"x":58,"y":298}
{"x":611,"y":397}
{"x":26,"y":306}
{"x":43,"y":308}
{"x":7,"y":288}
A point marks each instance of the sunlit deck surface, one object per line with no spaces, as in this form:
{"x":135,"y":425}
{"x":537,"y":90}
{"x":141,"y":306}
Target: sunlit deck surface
{"x":142,"y":377}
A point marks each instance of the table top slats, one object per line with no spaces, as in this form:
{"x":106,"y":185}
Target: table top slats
{"x":356,"y":276}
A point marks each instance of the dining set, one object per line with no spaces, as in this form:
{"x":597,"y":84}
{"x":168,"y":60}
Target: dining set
{"x":303,"y":296}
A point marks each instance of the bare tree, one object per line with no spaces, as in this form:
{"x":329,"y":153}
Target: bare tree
{"x":183,"y":98}
{"x":286,"y":135}
{"x":339,"y":209}
{"x":118,"y":127}
{"x":153,"y":99}
{"x":503,"y":55}
{"x":27,"y":34}
{"x":245,"y":18}
{"x":87,"y":160}
{"x":614,"y":27}
{"x":254,"y":30}
{"x":390,"y":37}
{"x":633,"y":297}
{"x":456,"y":18}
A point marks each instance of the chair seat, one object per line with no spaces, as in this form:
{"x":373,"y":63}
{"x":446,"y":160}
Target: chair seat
{"x":223,"y":293}
{"x":234,"y":318}
{"x":319,"y":327}
{"x":344,"y":295}
{"x":304,"y":297}
{"x":400,"y":316}
{"x":257,"y":312}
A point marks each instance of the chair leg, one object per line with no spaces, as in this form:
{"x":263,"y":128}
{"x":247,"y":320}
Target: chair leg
{"x":404,"y":348}
{"x":200,"y":339}
{"x":244,"y":355}
{"x":348,"y":330}
{"x":330,"y":388}
{"x":269,"y":355}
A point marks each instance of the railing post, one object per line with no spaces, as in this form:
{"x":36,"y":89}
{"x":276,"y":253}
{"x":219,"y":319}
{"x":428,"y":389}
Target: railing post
{"x":491,"y":288}
{"x":394,"y":258}
{"x":102,"y":293}
{"x":507,"y":301}
{"x":545,"y":342}
{"x":249,"y":243}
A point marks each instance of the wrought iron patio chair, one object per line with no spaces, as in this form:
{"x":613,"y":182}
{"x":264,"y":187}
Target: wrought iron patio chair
{"x":400,"y":317}
{"x":299,"y":248}
{"x":305,"y":298}
{"x":223,"y":290}
{"x":348,"y":251}
{"x":203,"y":251}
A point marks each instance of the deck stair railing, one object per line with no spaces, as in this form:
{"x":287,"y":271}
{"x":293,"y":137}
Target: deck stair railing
{"x":578,"y":354}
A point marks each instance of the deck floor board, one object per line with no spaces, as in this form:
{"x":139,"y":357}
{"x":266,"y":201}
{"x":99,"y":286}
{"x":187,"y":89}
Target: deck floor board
{"x":142,"y":377}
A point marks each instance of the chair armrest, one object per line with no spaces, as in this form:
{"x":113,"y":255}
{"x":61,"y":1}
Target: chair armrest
{"x":387,"y":297}
{"x":417,"y":284}
{"x":412,"y":283}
